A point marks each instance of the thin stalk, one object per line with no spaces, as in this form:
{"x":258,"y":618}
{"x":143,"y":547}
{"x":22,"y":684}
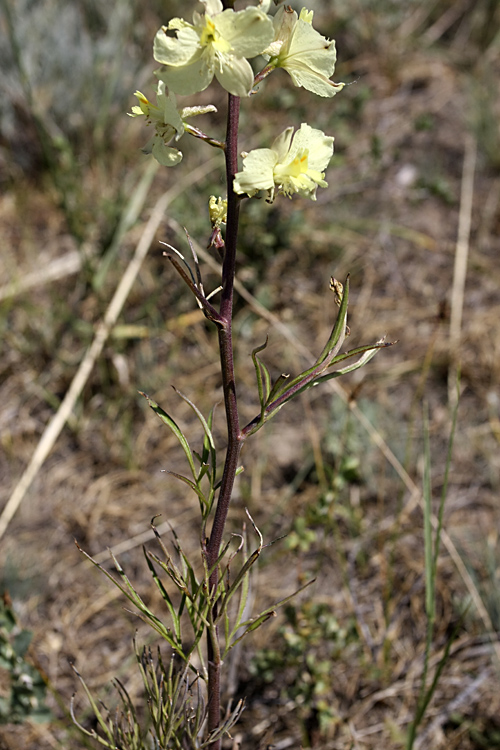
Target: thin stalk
{"x":234,"y":438}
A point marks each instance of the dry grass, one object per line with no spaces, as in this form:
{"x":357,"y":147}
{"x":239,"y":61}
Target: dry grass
{"x":391,"y":218}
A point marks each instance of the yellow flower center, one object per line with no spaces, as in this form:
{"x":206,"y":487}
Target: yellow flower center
{"x":211,"y":37}
{"x":299,"y":165}
{"x":295,"y":168}
{"x":297,"y":176}
{"x":209,"y":33}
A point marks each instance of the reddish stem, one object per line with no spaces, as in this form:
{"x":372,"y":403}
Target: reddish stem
{"x":233,"y":426}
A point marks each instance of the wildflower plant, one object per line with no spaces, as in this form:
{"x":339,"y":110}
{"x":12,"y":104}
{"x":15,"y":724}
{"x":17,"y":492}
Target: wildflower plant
{"x":208,"y":613}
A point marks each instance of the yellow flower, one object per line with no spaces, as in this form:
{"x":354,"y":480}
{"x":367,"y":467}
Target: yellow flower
{"x":216,"y":43}
{"x":217,"y":210}
{"x":168,"y":122}
{"x":307,"y":56}
{"x":293,"y":164}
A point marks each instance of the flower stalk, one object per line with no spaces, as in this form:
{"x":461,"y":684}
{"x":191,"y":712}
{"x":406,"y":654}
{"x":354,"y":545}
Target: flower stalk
{"x":234,"y":442}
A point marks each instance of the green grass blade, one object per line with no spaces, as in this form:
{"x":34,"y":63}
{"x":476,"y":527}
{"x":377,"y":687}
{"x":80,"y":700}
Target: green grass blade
{"x":428,"y":542}
{"x":444,"y":492}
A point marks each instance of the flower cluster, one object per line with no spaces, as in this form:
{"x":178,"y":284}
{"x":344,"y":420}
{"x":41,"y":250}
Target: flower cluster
{"x":219,"y":43}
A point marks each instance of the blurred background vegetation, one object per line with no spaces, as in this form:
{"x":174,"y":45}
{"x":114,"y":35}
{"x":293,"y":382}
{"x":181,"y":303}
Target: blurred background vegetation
{"x":339,"y":472}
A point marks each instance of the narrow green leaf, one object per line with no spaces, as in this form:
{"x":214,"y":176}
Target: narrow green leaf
{"x":213,"y":451}
{"x":225,"y":727}
{"x":209,"y":451}
{"x":173,"y":573}
{"x":239,"y":578}
{"x":370,"y":349}
{"x":159,"y":628}
{"x":165,"y":595}
{"x":267,"y":377}
{"x":279,"y":387}
{"x":249,"y":626}
{"x":369,"y":352}
{"x":131,"y":594}
{"x":339,"y":326}
{"x":175,"y":429}
{"x":258,"y":372}
{"x":244,"y":589}
{"x":200,"y":416}
{"x":332,"y":346}
{"x":190,"y":483}
{"x":255,"y":622}
{"x":100,"y":719}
